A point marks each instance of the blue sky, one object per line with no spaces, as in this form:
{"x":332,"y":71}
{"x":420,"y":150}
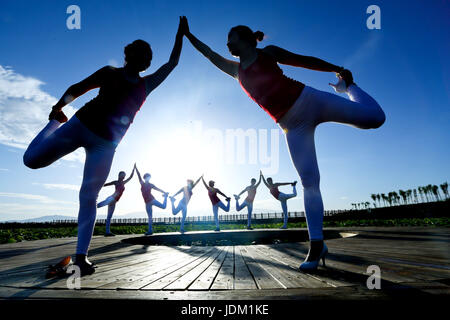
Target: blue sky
{"x":404,"y":66}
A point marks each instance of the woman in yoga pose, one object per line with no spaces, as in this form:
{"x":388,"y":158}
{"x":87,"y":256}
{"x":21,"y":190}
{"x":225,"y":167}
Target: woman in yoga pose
{"x":111,"y":201}
{"x":216,"y":203}
{"x":280,"y":196}
{"x":150,"y":201}
{"x":248,"y":202}
{"x":98,"y":127}
{"x":182,"y":204}
{"x":297,"y":108}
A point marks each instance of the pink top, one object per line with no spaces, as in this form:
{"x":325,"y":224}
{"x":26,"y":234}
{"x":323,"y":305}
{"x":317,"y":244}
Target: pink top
{"x":251,"y":195}
{"x":275,"y":192}
{"x":265,"y":83}
{"x":120,"y":188}
{"x":146,"y":189}
{"x":212,"y":193}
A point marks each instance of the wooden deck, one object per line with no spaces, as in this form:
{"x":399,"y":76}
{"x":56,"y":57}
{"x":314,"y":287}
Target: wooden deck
{"x":413,"y":261}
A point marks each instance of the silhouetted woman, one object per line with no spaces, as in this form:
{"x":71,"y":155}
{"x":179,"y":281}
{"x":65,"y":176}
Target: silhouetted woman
{"x":280,"y":196}
{"x":111,"y":201}
{"x":182,"y":204}
{"x":149,"y":199}
{"x":215,"y":201}
{"x":248,"y":202}
{"x":297,"y":109}
{"x":98,"y":127}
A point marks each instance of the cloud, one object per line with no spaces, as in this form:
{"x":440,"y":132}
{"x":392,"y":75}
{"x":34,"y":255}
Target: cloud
{"x":24,"y":109}
{"x":60,"y":186}
{"x":34,"y":197}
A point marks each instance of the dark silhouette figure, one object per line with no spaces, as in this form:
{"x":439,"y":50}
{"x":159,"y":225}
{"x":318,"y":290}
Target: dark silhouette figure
{"x":296,"y":107}
{"x":216,"y":203}
{"x":98,"y":127}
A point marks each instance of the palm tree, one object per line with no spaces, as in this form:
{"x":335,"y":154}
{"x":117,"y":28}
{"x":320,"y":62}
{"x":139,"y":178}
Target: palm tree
{"x":403,"y":195}
{"x":396,"y":197}
{"x":378,"y":198}
{"x":435,"y":190}
{"x":415,"y":195}
{"x":374,"y":198}
{"x":408,"y":194}
{"x":421,"y":192}
{"x":444,"y":188}
{"x":383,"y":196}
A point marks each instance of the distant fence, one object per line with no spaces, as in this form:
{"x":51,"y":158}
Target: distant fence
{"x":206,"y":219}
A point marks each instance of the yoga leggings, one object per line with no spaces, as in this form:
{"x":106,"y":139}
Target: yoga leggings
{"x":54,"y":142}
{"x":216,"y":211}
{"x":249,"y":209}
{"x":111,"y":203}
{"x":149,"y":208}
{"x":299,"y":123}
{"x":283,"y":198}
{"x":182,"y":206}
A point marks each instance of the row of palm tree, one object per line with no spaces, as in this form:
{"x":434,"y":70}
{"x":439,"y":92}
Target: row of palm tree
{"x":427,"y":193}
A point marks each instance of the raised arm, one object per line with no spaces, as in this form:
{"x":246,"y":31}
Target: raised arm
{"x":230,"y":67}
{"x":195,"y":183}
{"x":259,"y":181}
{"x":155,"y":79}
{"x":95,"y":80}
{"x":138,"y":174}
{"x":286,"y":57}
{"x":263,"y":179}
{"x":204,"y":183}
{"x":131,"y":176}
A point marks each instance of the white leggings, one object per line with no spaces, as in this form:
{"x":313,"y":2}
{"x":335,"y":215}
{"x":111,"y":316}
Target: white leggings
{"x":111,"y":203}
{"x":216,"y":211}
{"x":149,"y":208}
{"x":283,"y":198}
{"x":54,"y":142}
{"x":182,"y":206}
{"x":312,"y":108}
{"x":249,"y":210}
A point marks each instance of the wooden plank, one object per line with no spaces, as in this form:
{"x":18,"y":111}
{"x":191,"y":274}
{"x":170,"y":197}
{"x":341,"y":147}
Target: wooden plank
{"x":225,"y":277}
{"x":164,"y":269}
{"x":331,"y":279}
{"x":243,"y":279}
{"x":167,"y":279}
{"x":168,"y":260}
{"x":188,"y":278}
{"x":263,"y":278}
{"x":346,"y":264}
{"x":283,"y":273}
{"x":206,"y":279}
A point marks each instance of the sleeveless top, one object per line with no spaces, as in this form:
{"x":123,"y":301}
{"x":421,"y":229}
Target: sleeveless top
{"x":251,"y":195}
{"x":265,"y":83}
{"x":112,"y":111}
{"x":213,"y":196}
{"x":187,"y":193}
{"x":146,"y":190}
{"x":275,"y":192}
{"x":120,"y":188}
